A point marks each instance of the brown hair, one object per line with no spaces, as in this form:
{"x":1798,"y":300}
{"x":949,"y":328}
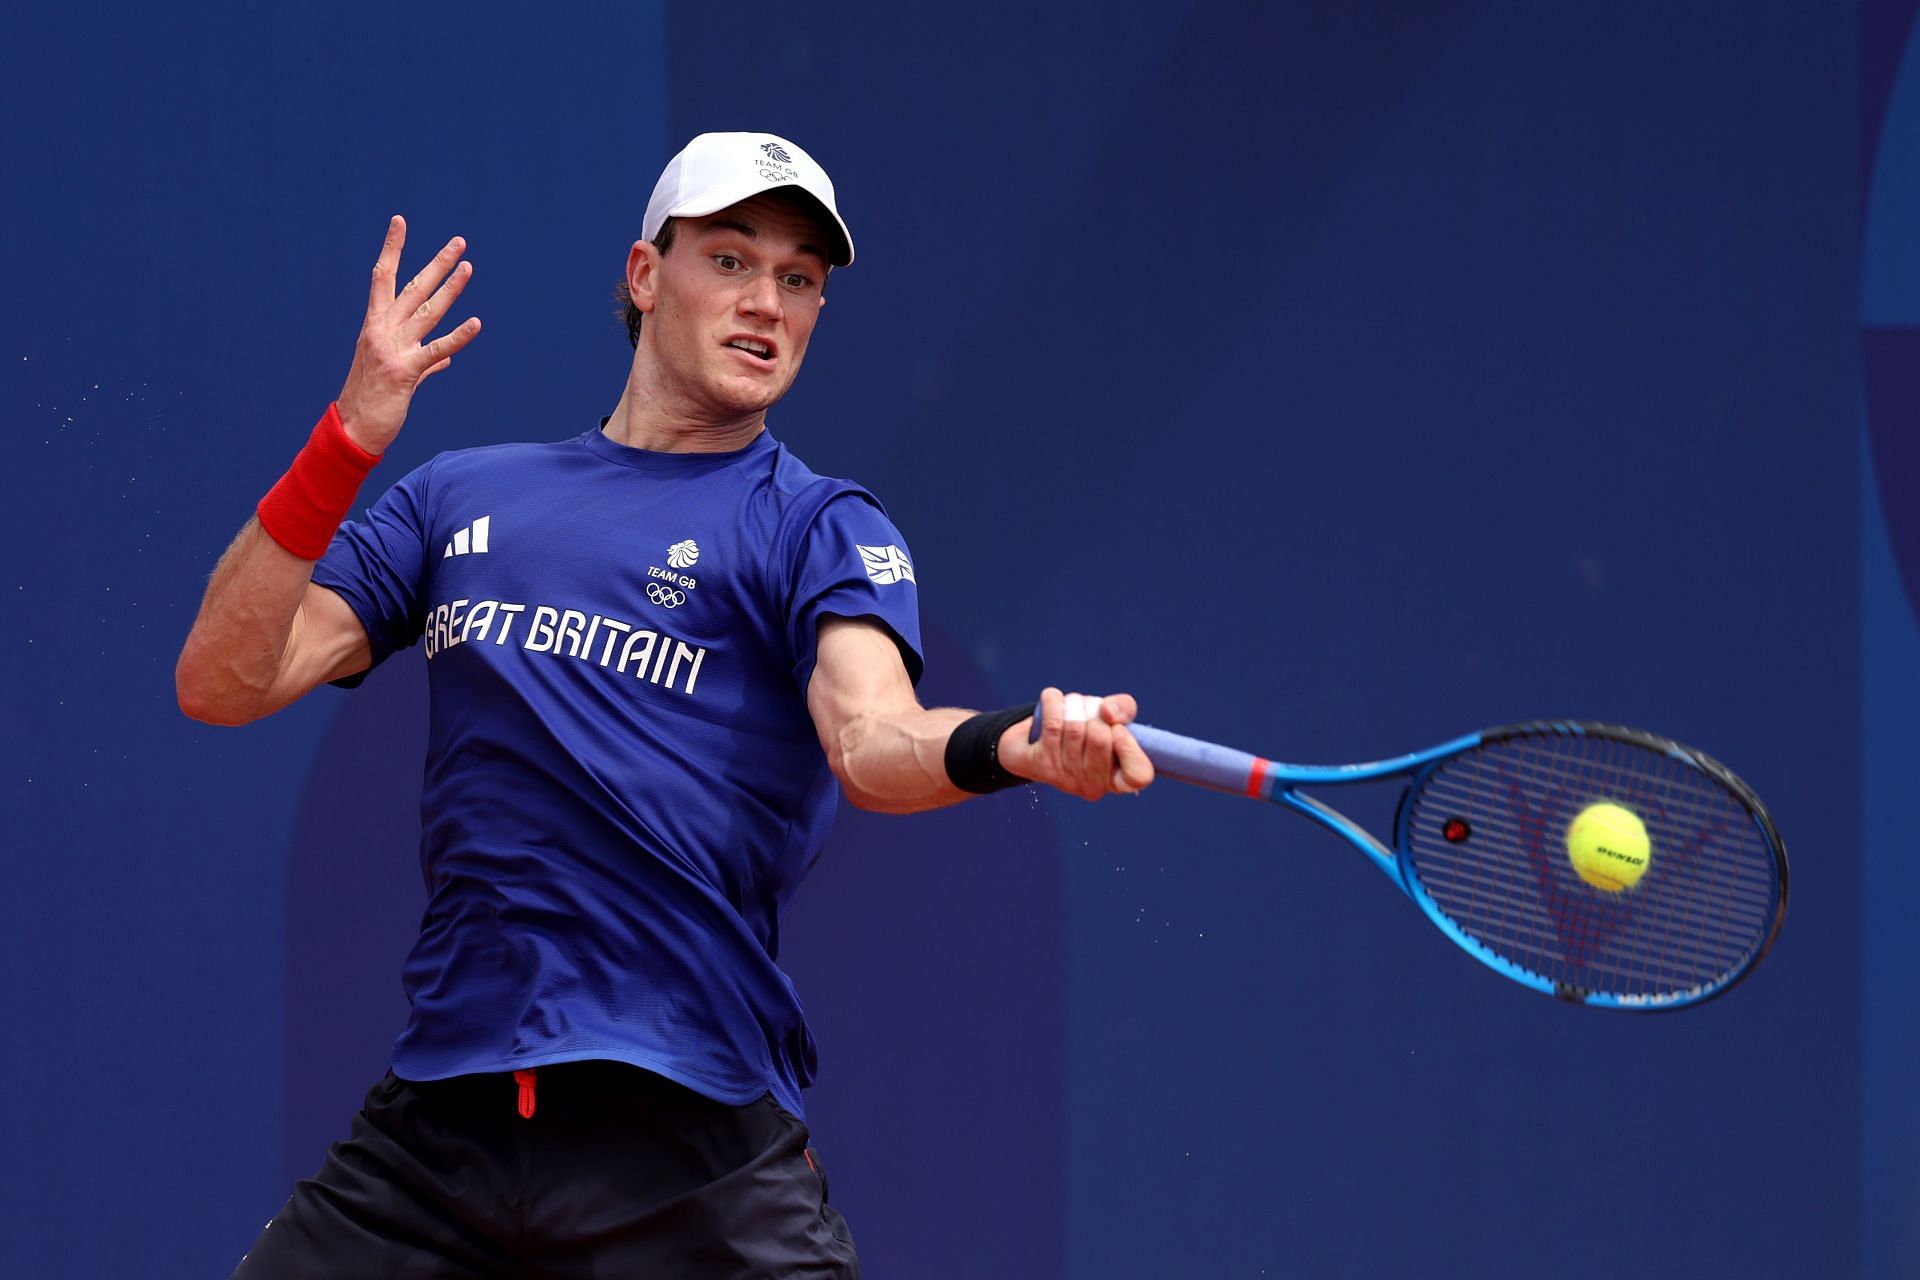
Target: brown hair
{"x":628,"y":313}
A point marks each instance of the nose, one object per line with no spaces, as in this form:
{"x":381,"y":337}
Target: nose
{"x":761,"y":297}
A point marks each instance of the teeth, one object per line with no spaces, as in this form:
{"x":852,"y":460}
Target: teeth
{"x":760,"y":349}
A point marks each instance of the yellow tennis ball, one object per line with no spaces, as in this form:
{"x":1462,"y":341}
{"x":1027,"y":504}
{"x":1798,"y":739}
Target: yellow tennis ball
{"x":1608,"y":847}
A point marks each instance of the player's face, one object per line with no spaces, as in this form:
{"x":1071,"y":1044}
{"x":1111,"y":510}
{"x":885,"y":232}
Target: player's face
{"x":735,"y":304}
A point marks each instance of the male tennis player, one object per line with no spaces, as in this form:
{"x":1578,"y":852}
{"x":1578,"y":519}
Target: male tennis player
{"x":652,"y":649}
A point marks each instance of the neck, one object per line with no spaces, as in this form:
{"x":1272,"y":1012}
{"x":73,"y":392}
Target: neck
{"x":651,"y":416}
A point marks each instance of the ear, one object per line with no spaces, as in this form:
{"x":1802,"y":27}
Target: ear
{"x":643,"y":270}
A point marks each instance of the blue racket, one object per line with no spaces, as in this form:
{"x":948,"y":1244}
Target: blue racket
{"x":1483,"y":843}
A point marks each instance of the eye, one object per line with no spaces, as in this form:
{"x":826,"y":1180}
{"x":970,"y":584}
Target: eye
{"x":726,"y":262}
{"x":794,"y":280}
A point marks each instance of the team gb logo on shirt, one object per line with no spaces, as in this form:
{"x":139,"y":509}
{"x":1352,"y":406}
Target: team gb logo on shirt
{"x":683,"y":555}
{"x":887,"y":565}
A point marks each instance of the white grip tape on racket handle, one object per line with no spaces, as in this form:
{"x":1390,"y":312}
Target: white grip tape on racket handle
{"x":1205,"y":764}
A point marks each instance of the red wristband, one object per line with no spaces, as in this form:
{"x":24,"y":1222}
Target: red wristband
{"x":308,"y":503}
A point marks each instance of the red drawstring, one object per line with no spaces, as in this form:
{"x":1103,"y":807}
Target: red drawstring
{"x":526,"y":1080}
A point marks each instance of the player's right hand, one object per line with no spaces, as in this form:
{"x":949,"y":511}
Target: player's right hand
{"x":393,"y":357}
{"x":1083,"y":749}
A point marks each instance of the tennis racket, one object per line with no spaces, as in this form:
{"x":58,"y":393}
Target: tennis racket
{"x":1481,"y":843}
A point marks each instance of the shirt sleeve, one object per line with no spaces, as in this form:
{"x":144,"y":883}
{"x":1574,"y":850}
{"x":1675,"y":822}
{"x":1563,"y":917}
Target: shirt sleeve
{"x":853,"y":563}
{"x":378,"y":565}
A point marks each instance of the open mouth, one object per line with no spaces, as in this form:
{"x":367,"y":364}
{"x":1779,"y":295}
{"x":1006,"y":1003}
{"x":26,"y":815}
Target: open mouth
{"x":759,"y":350}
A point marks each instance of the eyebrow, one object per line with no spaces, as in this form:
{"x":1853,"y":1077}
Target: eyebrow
{"x":751,"y":233}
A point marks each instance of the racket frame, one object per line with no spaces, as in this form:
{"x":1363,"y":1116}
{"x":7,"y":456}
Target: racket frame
{"x":1205,"y":764}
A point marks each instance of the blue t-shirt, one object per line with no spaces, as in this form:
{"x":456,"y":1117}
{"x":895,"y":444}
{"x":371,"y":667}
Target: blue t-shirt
{"x":623,"y":785}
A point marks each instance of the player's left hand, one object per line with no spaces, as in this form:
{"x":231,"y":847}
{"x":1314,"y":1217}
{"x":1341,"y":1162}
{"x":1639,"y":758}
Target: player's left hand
{"x":1084,"y":747}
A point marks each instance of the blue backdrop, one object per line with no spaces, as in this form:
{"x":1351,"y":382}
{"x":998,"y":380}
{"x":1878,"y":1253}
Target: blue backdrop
{"x":1336,"y":378}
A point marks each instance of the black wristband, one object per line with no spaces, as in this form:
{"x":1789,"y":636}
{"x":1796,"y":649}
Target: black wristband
{"x":973,"y":751}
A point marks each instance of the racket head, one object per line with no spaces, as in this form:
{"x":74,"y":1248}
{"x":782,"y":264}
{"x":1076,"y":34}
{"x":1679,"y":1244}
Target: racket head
{"x":1481,"y":846}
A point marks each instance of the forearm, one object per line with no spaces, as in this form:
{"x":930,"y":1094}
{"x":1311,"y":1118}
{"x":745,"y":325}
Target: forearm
{"x":892,"y":756}
{"x":895,"y":761}
{"x":236,"y":658}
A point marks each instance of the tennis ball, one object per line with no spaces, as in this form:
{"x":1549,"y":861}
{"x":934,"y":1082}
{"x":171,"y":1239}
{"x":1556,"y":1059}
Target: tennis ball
{"x":1608,"y":847}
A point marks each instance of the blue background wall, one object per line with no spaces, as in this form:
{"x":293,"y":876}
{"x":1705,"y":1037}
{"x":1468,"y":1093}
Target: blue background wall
{"x":1334,"y":377}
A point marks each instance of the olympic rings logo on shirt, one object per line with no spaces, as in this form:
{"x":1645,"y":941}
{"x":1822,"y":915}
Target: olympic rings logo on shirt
{"x":664,"y":595}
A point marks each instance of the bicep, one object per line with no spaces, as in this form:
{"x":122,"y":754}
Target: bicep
{"x":326,"y":643}
{"x":858,"y":671}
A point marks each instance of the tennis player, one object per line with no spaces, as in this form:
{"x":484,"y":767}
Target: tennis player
{"x":653,"y":648}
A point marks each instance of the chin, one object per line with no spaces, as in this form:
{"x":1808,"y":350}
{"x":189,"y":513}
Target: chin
{"x":752,"y":397}
{"x":753,"y":400}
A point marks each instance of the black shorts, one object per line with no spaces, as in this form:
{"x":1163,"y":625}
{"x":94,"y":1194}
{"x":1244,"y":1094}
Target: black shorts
{"x":618,"y":1173}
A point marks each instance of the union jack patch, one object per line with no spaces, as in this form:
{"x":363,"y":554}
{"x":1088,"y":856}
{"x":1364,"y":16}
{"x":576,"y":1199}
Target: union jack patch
{"x":887,"y":565}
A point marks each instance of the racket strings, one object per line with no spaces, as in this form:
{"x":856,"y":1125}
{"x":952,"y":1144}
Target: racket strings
{"x":1705,"y":906}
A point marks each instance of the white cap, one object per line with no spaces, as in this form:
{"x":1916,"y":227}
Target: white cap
{"x":720,"y":169}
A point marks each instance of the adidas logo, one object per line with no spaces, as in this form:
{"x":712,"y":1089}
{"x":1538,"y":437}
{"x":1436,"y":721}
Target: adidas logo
{"x":473,"y":539}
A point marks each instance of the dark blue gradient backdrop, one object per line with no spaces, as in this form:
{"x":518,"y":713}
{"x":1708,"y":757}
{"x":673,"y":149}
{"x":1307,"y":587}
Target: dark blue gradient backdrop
{"x":1336,"y":378}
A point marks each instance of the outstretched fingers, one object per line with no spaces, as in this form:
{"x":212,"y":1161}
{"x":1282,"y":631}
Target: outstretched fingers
{"x":419,"y":306}
{"x":393,"y":355}
{"x":386,"y":268}
{"x":429,"y":313}
{"x":443,"y":348}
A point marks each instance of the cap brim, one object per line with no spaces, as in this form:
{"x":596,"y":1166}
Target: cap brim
{"x":718,"y":198}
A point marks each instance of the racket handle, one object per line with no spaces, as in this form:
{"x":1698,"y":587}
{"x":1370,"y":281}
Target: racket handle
{"x":1192,"y":760}
{"x":1204,"y":764}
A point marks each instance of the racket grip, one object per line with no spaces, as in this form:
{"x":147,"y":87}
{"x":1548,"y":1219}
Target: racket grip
{"x":1192,"y":760}
{"x":1204,"y":764}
